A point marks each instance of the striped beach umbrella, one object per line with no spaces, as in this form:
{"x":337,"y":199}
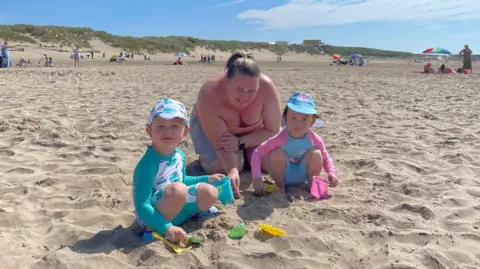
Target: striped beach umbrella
{"x":436,"y":50}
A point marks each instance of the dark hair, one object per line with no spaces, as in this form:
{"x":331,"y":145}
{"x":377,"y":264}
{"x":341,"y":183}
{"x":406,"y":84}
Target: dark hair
{"x":243,"y":63}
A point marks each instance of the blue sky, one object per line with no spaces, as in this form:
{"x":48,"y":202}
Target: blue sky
{"x":407,"y":25}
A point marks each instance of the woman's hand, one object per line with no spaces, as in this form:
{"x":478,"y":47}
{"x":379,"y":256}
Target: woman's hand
{"x":235,"y":182}
{"x":229,"y":142}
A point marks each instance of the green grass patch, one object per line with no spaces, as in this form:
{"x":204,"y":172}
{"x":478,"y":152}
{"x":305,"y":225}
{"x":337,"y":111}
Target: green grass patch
{"x":79,"y":36}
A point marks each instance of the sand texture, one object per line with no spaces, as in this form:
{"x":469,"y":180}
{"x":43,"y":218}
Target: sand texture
{"x":406,"y":147}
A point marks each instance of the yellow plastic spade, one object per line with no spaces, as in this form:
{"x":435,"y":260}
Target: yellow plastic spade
{"x":176,"y":248}
{"x":272,"y":230}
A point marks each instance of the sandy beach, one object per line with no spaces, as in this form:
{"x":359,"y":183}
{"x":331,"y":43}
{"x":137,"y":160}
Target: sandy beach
{"x":406,"y":147}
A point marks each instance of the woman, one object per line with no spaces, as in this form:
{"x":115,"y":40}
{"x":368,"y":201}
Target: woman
{"x":466,"y":52}
{"x":76,"y":57}
{"x":5,"y":55}
{"x":235,"y":112}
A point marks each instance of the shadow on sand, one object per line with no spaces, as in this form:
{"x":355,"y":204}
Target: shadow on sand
{"x":253,"y":208}
{"x":127,"y":239}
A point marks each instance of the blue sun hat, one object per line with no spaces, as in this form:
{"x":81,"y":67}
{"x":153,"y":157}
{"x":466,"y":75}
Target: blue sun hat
{"x":168,"y":109}
{"x":302,"y":103}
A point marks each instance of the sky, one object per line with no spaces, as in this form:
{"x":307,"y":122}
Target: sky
{"x":403,"y":25}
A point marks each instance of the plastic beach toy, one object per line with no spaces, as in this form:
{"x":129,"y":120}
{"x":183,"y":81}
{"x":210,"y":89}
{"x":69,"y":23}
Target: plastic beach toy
{"x":272,"y":230}
{"x":319,"y":188}
{"x":225,"y":193}
{"x":148,"y":236}
{"x":237,"y":232}
{"x":269,"y":188}
{"x":195,"y":239}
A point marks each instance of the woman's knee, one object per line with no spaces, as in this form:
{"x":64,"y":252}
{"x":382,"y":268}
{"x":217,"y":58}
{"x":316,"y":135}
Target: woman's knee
{"x":314,"y":156}
{"x":215,"y":166}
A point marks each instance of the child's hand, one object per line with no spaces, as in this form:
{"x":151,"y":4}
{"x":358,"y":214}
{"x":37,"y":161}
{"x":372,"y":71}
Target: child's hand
{"x":215,"y":178}
{"x":258,"y":186}
{"x":333,"y":180}
{"x":176,"y":234}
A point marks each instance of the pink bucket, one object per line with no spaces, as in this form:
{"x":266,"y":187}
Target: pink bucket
{"x":319,"y":188}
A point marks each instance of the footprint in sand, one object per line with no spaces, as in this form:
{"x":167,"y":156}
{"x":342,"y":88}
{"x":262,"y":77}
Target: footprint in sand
{"x":21,"y":170}
{"x":7,"y":152}
{"x":424,"y":212}
{"x":96,"y":171}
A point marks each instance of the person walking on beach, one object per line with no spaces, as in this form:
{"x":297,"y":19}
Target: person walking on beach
{"x":466,"y":52}
{"x":235,"y":112}
{"x":5,"y":53}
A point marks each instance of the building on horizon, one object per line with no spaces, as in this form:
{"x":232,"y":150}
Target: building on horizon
{"x":281,"y":43}
{"x":313,"y":42}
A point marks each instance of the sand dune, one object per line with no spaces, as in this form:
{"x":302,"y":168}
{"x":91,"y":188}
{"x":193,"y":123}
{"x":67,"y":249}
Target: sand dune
{"x":405,"y":145}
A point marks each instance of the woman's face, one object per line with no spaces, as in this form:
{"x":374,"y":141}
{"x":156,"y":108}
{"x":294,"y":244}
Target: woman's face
{"x":241,"y":90}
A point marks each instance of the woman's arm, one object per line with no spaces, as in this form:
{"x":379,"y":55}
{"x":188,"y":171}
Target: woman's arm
{"x":214,"y":128}
{"x":271,"y":115}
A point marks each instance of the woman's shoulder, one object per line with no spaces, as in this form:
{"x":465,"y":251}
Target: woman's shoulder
{"x":210,"y":86}
{"x":267,"y":88}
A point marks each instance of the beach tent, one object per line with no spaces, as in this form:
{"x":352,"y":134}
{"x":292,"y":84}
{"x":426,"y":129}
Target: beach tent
{"x":356,"y":59}
{"x":181,"y":54}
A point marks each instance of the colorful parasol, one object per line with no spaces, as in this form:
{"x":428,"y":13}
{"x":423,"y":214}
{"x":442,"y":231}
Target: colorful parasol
{"x":436,"y":50}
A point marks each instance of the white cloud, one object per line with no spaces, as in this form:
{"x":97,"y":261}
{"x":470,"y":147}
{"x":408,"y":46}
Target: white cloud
{"x":230,"y":3}
{"x":305,"y":13}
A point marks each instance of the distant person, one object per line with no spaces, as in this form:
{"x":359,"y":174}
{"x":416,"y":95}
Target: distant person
{"x":92,"y":54}
{"x":213,"y":57}
{"x":5,"y":52}
{"x":44,"y":58}
{"x":235,"y":111}
{"x":22,"y":63}
{"x":178,"y":62}
{"x":103,"y":54}
{"x":76,"y":57}
{"x":445,"y":70}
{"x":466,"y":52}
{"x":428,"y":68}
{"x":50,"y":61}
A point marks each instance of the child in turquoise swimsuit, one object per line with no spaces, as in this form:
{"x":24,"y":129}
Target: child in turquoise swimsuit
{"x":164,"y":196}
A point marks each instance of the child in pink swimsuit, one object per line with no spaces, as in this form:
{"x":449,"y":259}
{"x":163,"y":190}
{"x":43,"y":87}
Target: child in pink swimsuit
{"x":296,"y":154}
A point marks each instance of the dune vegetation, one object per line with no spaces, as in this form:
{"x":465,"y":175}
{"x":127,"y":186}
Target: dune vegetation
{"x":78,"y":36}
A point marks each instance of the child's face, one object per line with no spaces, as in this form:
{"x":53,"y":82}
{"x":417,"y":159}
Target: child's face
{"x":298,"y":123}
{"x":167,"y":133}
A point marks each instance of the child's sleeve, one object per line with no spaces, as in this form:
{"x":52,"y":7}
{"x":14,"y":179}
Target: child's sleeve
{"x":328,"y":164}
{"x":263,"y":150}
{"x":190,"y":180}
{"x":143,"y":178}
